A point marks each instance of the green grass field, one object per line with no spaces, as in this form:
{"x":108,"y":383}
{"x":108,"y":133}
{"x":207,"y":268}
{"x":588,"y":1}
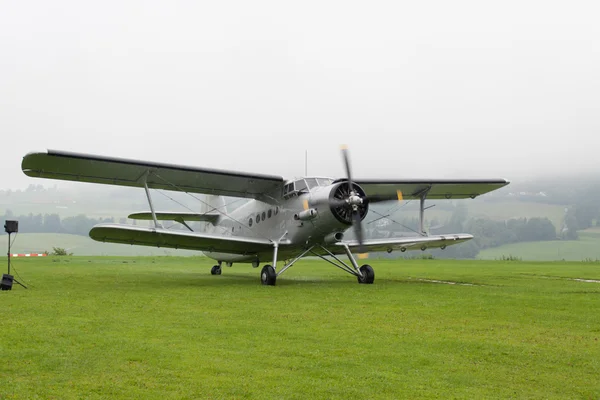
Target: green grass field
{"x":163,"y":327}
{"x":587,"y":247}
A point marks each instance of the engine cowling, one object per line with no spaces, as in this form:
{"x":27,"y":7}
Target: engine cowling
{"x":342,"y":200}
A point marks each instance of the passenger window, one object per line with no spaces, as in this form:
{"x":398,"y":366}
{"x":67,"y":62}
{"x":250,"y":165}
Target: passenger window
{"x":250,"y":222}
{"x":269,"y":213}
{"x":276,"y":210}
{"x":257,"y":218}
{"x":264,"y":215}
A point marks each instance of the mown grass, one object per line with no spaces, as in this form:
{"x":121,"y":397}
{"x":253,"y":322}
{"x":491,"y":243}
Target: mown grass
{"x":165,"y":328}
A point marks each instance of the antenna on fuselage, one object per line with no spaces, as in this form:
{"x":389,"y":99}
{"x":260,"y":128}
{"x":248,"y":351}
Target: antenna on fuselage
{"x":305,"y":162}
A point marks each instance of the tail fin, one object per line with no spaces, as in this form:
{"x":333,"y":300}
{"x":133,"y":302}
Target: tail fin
{"x":212,"y":204}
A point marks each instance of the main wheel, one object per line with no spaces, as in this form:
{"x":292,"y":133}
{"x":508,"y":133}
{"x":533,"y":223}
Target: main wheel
{"x":268,"y":275}
{"x":215,"y":270}
{"x":368,"y":275}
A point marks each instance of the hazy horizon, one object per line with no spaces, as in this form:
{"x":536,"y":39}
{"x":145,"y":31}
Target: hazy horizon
{"x":417,"y":90}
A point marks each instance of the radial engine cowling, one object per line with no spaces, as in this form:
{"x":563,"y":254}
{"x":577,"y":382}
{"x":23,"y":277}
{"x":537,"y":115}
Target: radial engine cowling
{"x":343,"y":200}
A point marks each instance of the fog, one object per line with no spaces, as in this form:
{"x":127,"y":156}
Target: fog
{"x":415,"y":89}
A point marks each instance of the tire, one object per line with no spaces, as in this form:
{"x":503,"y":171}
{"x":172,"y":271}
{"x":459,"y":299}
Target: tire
{"x":215,"y":270}
{"x":268,"y":276}
{"x":368,"y":275}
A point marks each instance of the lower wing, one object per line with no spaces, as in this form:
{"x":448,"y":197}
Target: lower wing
{"x":156,"y":237}
{"x":403,"y":244}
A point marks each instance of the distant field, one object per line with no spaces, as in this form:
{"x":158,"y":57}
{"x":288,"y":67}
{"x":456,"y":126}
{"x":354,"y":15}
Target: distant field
{"x":517,"y":209}
{"x":163,"y":327}
{"x":84,"y":246}
{"x":586,"y":247}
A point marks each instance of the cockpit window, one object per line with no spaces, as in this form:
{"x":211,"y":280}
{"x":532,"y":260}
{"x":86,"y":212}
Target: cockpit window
{"x":311,"y":182}
{"x":300,"y":185}
{"x":324,"y":181}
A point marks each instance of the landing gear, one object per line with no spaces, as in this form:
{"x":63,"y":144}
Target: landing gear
{"x":215,"y":270}
{"x":364,"y":274}
{"x":368,"y":275}
{"x":268,"y":275}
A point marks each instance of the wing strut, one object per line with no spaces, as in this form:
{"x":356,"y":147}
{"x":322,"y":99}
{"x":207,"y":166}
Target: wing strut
{"x":145,"y":180}
{"x":422,"y":197}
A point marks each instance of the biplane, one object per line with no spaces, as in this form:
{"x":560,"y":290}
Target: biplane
{"x":282,"y":219}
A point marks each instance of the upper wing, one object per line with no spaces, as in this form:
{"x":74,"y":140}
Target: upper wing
{"x":409,"y":243}
{"x":435,"y":189}
{"x":127,"y":234}
{"x":69,"y":166}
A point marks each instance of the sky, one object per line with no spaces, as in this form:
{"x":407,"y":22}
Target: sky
{"x":421,"y":89}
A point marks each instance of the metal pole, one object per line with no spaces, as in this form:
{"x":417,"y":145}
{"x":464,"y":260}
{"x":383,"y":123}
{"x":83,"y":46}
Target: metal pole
{"x":8,"y":254}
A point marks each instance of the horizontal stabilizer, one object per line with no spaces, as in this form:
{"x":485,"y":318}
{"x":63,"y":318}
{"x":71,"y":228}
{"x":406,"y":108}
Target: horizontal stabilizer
{"x":158,"y":237}
{"x":177,"y":216}
{"x":408,"y":243}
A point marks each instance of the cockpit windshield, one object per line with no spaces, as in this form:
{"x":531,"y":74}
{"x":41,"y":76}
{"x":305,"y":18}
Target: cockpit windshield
{"x":300,"y":185}
{"x":324,"y":181}
{"x":311,"y":182}
{"x":303,"y":185}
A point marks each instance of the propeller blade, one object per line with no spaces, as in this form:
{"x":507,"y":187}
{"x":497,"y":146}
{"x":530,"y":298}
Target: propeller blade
{"x":358,"y":231}
{"x":347,"y":165}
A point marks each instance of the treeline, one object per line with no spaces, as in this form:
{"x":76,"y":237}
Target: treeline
{"x":487,"y":232}
{"x":53,"y":223}
{"x":490,"y":233}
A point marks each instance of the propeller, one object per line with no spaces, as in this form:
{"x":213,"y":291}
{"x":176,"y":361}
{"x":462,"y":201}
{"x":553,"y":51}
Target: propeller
{"x":350,"y":201}
{"x":354,"y":201}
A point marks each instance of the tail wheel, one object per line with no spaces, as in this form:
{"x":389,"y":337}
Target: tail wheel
{"x":268,"y":275}
{"x":368,"y":275}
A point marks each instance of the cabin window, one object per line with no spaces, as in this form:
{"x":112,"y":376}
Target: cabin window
{"x":276,"y":210}
{"x":257,"y":218}
{"x":250,"y":222}
{"x":269,"y":213}
{"x":264,"y":216}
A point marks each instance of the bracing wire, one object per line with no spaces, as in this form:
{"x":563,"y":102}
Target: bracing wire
{"x":223,"y":229}
{"x":394,"y":221}
{"x":205,"y":203}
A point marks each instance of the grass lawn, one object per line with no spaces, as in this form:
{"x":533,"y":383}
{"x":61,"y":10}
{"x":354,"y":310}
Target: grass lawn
{"x":163,"y":327}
